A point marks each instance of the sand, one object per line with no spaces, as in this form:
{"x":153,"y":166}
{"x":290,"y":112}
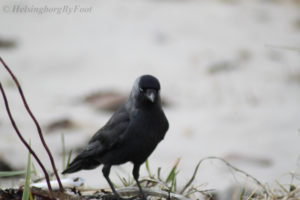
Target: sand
{"x":230,"y":71}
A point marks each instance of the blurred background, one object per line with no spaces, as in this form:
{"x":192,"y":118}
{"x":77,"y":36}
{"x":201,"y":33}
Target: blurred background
{"x":229,"y":70}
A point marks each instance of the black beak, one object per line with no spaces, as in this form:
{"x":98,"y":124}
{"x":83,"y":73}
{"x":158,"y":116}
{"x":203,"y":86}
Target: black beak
{"x":151,"y":95}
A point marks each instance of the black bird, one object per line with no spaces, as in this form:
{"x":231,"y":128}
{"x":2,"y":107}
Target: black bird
{"x":130,"y":135}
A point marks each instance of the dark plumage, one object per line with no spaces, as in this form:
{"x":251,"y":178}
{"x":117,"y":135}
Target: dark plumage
{"x":131,"y":134}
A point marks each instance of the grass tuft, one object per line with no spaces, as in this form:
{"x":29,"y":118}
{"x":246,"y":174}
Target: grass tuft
{"x":26,"y":190}
{"x":63,"y":151}
{"x":11,"y":173}
{"x":148,"y":169}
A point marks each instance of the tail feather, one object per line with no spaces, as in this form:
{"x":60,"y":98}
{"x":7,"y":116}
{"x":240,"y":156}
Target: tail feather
{"x":86,"y":159}
{"x":79,"y":164}
{"x":73,"y":167}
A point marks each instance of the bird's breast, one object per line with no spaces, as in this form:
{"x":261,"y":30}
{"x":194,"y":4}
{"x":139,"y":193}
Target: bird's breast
{"x":148,"y":129}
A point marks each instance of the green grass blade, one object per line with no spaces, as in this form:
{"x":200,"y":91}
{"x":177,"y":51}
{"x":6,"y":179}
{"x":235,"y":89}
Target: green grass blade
{"x":63,"y":151}
{"x":26,"y":190}
{"x":158,"y":173}
{"x":31,"y":197}
{"x":173,"y":173}
{"x":191,"y":179}
{"x":242,"y":193}
{"x":33,"y":169}
{"x":11,"y":173}
{"x":123,"y":180}
{"x":170,"y":176}
{"x":148,"y":169}
{"x":69,"y":159}
{"x":174,"y":184}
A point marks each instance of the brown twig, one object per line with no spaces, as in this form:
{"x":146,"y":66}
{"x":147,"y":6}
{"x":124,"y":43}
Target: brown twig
{"x":191,"y":179}
{"x":229,"y":165}
{"x":22,"y":139}
{"x":131,"y":191}
{"x":35,"y":122}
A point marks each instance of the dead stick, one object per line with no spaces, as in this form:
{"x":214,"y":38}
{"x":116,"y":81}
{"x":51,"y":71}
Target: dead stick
{"x":22,"y":139}
{"x":229,"y":165}
{"x":35,"y":122}
{"x":128,"y":191}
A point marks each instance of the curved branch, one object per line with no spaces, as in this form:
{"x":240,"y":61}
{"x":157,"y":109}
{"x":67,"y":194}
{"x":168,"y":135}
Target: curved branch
{"x":22,"y":139}
{"x":35,"y":122}
{"x":229,"y":165}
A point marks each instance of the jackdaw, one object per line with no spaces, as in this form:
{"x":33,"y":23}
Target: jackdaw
{"x":130,"y":135}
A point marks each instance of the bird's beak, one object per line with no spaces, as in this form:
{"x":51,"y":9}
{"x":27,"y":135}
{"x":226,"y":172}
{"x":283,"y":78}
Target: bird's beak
{"x":151,"y":95}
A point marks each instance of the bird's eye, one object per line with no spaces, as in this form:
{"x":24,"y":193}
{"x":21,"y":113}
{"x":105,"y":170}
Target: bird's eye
{"x":141,"y":90}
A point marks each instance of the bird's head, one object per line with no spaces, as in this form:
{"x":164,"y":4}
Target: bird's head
{"x":146,"y":90}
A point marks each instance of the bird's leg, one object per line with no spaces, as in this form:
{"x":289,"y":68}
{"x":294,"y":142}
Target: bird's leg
{"x":105,"y":171}
{"x":136,"y":174}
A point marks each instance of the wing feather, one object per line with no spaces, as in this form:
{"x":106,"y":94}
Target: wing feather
{"x":113,"y":131}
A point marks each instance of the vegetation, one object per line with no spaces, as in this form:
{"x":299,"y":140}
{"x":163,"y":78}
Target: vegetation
{"x":155,"y":185}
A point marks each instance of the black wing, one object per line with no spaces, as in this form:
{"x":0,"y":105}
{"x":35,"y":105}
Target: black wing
{"x":103,"y":140}
{"x":114,"y":130}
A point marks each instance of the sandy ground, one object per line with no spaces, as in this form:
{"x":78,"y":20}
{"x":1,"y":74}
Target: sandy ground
{"x":233,"y":91}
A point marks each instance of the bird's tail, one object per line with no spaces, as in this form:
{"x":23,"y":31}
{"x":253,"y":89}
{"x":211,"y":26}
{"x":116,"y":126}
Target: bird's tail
{"x":73,"y":167}
{"x":79,"y":164}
